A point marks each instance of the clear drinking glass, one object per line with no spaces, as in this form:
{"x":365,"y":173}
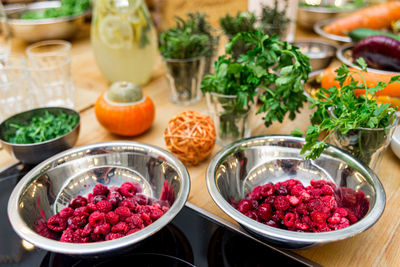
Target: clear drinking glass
{"x":184,"y":77}
{"x":5,"y":34}
{"x":16,"y":94}
{"x":49,"y":63}
{"x":231,"y":123}
{"x":366,"y":144}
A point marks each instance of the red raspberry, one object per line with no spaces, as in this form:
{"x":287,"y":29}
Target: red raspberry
{"x":267,"y":190}
{"x":81,"y":212}
{"x":318,"y":217}
{"x":342,"y":224}
{"x":133,"y":230}
{"x":305,"y":197}
{"x":289,"y":219}
{"x":281,"y":189}
{"x":253,"y":215}
{"x":297,"y":190}
{"x":281,"y":214}
{"x":114,"y":197}
{"x":317,"y":183}
{"x":103,"y":229}
{"x":127,"y":189}
{"x":96,"y":237}
{"x":78,"y":237}
{"x":270,"y":200}
{"x":315,"y":192}
{"x":293,"y":200}
{"x":42,"y":229}
{"x":90,"y":197}
{"x":67,"y":236}
{"x":335,"y":218}
{"x":245,"y":205}
{"x":77,"y":222}
{"x":65,"y":213}
{"x":322,"y":228}
{"x":272,"y":224}
{"x":78,"y":201}
{"x":87,"y":230}
{"x":301,"y":226}
{"x":164,"y":209}
{"x":98,"y":198}
{"x":264,"y":212}
{"x":56,"y":223}
{"x":100,"y":189}
{"x":104,"y":206}
{"x":135,"y":220}
{"x":120,"y":227}
{"x":91,"y":207}
{"x":302,"y":209}
{"x":155,"y":214}
{"x":327,"y":190}
{"x":96,"y":218}
{"x":112,"y":218}
{"x":141,"y":199}
{"x":111,"y":236}
{"x":281,"y":203}
{"x":341,"y":211}
{"x":127,"y":203}
{"x":330,"y":202}
{"x":123,"y":212}
{"x":307,"y":220}
{"x":256,"y":193}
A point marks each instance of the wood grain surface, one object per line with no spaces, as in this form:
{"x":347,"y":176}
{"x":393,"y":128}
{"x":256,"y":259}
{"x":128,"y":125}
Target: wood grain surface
{"x":378,"y":246}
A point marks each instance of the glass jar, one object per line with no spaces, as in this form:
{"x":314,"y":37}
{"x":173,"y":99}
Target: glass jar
{"x":124,"y":40}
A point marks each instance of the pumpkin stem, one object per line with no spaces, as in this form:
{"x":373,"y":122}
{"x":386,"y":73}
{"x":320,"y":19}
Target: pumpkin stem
{"x":124,"y":92}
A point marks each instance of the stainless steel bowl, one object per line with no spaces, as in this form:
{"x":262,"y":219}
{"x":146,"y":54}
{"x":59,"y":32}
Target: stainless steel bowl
{"x":35,"y":153}
{"x":319,"y":28}
{"x":243,"y":165}
{"x":51,"y":185}
{"x":34,"y":30}
{"x":320,"y":52}
{"x":308,"y":16}
{"x":345,"y":55}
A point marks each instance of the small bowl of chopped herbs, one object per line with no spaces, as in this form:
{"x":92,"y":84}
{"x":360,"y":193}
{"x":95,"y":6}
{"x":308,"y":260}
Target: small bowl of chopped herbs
{"x":46,"y":20}
{"x":34,"y":135}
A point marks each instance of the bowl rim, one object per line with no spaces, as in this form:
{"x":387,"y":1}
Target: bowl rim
{"x":43,"y":4}
{"x":2,"y":124}
{"x":286,"y":235}
{"x":319,"y":30}
{"x":31,"y":236}
{"x":318,"y":41}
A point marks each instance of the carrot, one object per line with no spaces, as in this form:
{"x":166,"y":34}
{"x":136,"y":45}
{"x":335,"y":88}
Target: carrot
{"x":328,"y":80}
{"x":374,"y":17}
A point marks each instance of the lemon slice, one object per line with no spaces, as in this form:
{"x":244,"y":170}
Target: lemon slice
{"x":116,"y":32}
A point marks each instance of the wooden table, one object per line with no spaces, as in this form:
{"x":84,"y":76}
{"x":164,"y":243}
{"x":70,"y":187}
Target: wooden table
{"x":378,"y":246}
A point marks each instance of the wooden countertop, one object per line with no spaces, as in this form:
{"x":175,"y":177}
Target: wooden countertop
{"x":378,"y":246}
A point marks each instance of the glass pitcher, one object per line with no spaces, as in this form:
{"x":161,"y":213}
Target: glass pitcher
{"x":124,"y":40}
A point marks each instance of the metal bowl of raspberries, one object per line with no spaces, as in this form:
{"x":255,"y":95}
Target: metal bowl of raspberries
{"x":265,"y":185}
{"x":99,"y":199}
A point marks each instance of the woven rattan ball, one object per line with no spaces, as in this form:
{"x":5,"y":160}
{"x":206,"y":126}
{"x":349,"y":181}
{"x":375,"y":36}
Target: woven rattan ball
{"x":190,"y":136}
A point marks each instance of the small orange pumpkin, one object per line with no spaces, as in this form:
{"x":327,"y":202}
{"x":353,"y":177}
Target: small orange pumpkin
{"x":123,"y":109}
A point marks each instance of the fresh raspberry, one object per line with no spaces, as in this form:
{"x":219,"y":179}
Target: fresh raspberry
{"x":96,"y":218}
{"x":120,"y":227}
{"x":341,"y":211}
{"x":78,"y":237}
{"x":281,"y":203}
{"x":267,"y":190}
{"x":256,"y":193}
{"x":81,"y":212}
{"x":98,"y":198}
{"x":141,"y":199}
{"x":56,"y":223}
{"x":65,"y":213}
{"x":293,"y":200}
{"x":123,"y":212}
{"x":100,"y":189}
{"x":96,"y":237}
{"x":342,"y":224}
{"x":322,"y":228}
{"x":327,"y":190}
{"x":305,"y":197}
{"x":77,"y":222}
{"x":87,"y":230}
{"x":133,"y":230}
{"x":251,"y":214}
{"x":315,"y":192}
{"x":317,"y":183}
{"x":112,"y":218}
{"x":164,"y":209}
{"x":270,"y":200}
{"x":335,"y":219}
{"x":302,"y":209}
{"x":130,"y":204}
{"x":272,"y":224}
{"x":114,"y":197}
{"x":289,"y":219}
{"x":301,"y":226}
{"x":90,"y":197}
{"x":318,"y":217}
{"x":281,"y":189}
{"x":156,"y":213}
{"x":103,"y":229}
{"x":111,"y":236}
{"x":104,"y":206}
{"x":127,"y":189}
{"x":77,"y":202}
{"x":41,"y":228}
{"x":264,"y":212}
{"x":67,"y":236}
{"x":91,"y":207}
{"x":297,"y":190}
{"x":280,"y":213}
{"x":245,"y":205}
{"x":135,"y":220}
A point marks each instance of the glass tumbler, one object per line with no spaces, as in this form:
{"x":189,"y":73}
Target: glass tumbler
{"x":231,"y":123}
{"x":49,"y":64}
{"x":184,"y":77}
{"x":15,"y":86}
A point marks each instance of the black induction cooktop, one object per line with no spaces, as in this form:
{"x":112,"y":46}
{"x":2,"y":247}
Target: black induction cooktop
{"x":194,"y":238}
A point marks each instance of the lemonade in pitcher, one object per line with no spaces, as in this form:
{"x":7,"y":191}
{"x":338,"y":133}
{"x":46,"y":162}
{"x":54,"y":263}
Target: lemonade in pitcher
{"x":124,"y":40}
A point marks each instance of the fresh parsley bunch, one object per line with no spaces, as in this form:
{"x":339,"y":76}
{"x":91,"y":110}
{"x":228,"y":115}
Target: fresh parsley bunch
{"x":342,"y":111}
{"x":277,"y":66}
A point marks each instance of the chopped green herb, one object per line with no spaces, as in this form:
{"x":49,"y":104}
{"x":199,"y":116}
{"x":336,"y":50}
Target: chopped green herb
{"x":67,"y":8}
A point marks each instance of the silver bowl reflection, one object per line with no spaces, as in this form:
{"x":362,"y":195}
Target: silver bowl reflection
{"x":51,"y":185}
{"x":319,"y":28}
{"x":320,"y":52}
{"x":34,"y":30}
{"x":243,"y":165}
{"x":37,"y":152}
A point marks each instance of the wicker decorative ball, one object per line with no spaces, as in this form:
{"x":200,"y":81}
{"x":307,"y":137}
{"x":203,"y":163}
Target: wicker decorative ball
{"x":190,"y":136}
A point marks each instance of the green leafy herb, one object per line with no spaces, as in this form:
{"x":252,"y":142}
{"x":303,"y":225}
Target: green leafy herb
{"x":41,"y":128}
{"x":67,"y":8}
{"x":276,"y":66}
{"x":274,"y":20}
{"x":189,"y":39}
{"x":348,"y":5}
{"x":341,"y":112}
